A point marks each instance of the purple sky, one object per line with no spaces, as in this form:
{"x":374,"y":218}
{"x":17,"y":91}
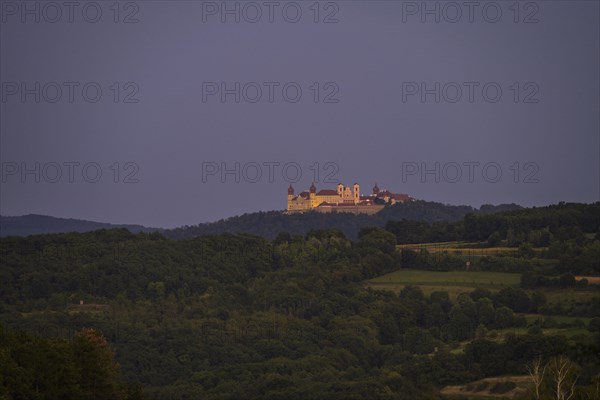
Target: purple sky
{"x":372,"y":121}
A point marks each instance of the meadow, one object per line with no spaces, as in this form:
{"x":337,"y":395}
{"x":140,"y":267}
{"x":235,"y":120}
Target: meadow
{"x":453,"y":282}
{"x":465,"y":248}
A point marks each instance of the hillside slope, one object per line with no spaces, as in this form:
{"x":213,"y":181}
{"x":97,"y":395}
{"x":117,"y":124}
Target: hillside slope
{"x":270,"y":224}
{"x":33,"y":224}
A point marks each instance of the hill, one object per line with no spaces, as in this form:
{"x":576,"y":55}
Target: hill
{"x":302,"y":317}
{"x":33,"y":224}
{"x":265,"y":224}
{"x":270,"y":224}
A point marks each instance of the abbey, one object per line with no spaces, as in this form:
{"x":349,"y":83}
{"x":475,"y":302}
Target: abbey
{"x":342,"y":199}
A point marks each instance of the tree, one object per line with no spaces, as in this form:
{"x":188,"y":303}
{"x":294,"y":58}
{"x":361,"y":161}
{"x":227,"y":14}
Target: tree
{"x":481,"y":332}
{"x":418,"y":341}
{"x":504,"y":318}
{"x":594,"y":325}
{"x":515,"y":299}
{"x":460,"y":326}
{"x":408,"y":258}
{"x":95,"y":361}
{"x":373,"y":239}
{"x":485,"y":311}
{"x":536,"y":370}
{"x":494,"y":239}
{"x":36,"y":368}
{"x":412,"y":292}
{"x":593,"y":391}
{"x":563,"y":377}
{"x":538,"y":299}
{"x":282,"y":237}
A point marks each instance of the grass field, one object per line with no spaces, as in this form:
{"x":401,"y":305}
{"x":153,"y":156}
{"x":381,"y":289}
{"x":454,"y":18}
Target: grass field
{"x":558,"y":318}
{"x":567,"y":332}
{"x":481,"y":389}
{"x":458,"y":248}
{"x":456,"y":282}
{"x":453,"y":282}
{"x":566,"y":296}
{"x":472,"y":249}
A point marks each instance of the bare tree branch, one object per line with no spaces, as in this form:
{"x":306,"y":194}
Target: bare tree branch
{"x":563,"y":373}
{"x":536,"y":370}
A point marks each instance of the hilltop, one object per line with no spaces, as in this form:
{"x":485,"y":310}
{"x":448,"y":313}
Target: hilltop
{"x":34,"y":224}
{"x":270,"y":224}
{"x":266,"y":224}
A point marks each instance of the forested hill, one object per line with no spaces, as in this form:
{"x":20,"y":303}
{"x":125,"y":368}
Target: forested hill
{"x":269,"y":224}
{"x":33,"y":224}
{"x":265,"y":224}
{"x":114,"y":315}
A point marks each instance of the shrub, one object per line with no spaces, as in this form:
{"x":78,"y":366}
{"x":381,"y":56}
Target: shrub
{"x":535,"y":330}
{"x":503,"y":387}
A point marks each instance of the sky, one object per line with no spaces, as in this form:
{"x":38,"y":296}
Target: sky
{"x":171,"y":113}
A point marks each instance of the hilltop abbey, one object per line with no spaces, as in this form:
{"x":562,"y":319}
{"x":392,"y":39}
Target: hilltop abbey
{"x":344,"y":199}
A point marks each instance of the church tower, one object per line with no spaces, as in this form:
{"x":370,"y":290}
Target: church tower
{"x":290,"y":196}
{"x":340,"y":190}
{"x":312,"y":195}
{"x":356,"y":193}
{"x":375,"y":189}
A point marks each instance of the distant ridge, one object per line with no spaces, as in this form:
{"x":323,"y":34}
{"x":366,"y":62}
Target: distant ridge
{"x":33,"y":224}
{"x":266,"y":224}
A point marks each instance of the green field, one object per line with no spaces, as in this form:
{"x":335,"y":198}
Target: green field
{"x":453,"y":282}
{"x":567,"y":296}
{"x":474,"y":249}
{"x":567,"y":332}
{"x":480,"y":390}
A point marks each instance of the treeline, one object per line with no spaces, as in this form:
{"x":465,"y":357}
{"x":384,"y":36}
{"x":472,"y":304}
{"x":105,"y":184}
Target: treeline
{"x":569,"y":233}
{"x":564,"y":221}
{"x":537,"y":225}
